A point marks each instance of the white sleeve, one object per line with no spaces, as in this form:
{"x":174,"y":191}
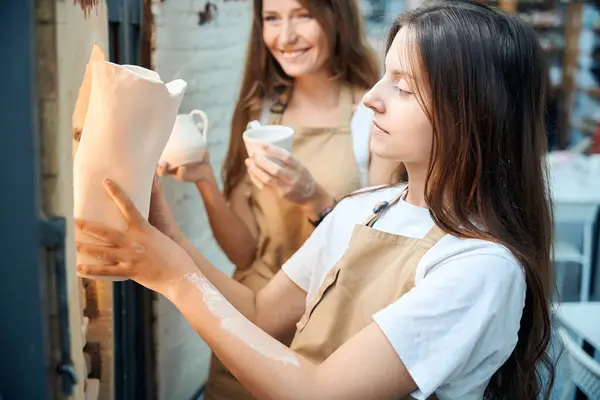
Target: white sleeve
{"x":361,"y":126}
{"x":458,"y":325}
{"x":312,"y":253}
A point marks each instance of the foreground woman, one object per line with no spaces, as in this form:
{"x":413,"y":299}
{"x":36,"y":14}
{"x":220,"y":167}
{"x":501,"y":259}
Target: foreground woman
{"x":439,"y":288}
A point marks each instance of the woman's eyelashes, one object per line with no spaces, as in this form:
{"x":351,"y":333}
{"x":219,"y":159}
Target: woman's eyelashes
{"x":402,"y":92}
{"x":275,"y":18}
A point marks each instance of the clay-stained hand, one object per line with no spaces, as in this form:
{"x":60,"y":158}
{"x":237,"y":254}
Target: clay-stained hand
{"x":196,"y":172}
{"x":281,"y":171}
{"x":141,"y":253}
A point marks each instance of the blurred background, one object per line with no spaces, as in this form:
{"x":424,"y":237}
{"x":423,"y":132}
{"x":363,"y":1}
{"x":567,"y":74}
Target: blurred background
{"x":63,"y":336}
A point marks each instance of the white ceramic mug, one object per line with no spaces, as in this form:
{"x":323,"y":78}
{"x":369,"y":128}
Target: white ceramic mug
{"x":187,"y":143}
{"x":257,"y":135}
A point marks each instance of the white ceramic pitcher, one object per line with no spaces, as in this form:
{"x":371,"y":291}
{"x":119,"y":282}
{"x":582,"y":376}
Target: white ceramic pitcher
{"x":127,"y":125}
{"x":187,"y":144}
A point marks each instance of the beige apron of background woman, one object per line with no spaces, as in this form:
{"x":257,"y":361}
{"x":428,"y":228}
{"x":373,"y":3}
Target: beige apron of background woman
{"x":328,"y":154}
{"x":344,"y":304}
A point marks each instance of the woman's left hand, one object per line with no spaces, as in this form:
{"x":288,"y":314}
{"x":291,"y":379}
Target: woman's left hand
{"x":281,"y":171}
{"x":141,"y":253}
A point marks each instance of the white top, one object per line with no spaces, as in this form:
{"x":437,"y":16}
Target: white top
{"x":459,"y":323}
{"x":360,"y":127}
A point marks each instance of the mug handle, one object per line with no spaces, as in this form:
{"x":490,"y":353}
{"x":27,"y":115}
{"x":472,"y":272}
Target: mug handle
{"x":204,"y":119}
{"x":253,"y":125}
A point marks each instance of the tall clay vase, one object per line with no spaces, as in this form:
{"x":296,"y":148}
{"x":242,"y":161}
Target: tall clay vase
{"x":129,"y":119}
{"x":83,"y":97}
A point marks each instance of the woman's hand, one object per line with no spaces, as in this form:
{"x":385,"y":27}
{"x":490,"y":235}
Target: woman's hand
{"x":141,"y":253}
{"x":196,"y":172}
{"x":160,"y":215}
{"x":279,"y":170}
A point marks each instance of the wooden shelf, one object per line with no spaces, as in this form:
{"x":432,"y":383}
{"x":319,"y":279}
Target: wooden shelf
{"x":85,"y":323}
{"x":553,"y":50}
{"x":594,"y":92}
{"x":92,"y":389}
{"x":547,"y":27}
{"x":587,"y":126}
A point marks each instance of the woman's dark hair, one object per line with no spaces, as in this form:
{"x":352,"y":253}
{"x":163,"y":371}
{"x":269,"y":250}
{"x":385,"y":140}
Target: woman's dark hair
{"x":482,"y":83}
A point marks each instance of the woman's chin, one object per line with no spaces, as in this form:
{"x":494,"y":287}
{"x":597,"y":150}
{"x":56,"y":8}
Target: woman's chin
{"x":383,"y":149}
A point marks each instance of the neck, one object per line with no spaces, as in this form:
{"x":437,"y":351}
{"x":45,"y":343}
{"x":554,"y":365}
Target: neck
{"x":315,"y":91}
{"x":417,"y":176}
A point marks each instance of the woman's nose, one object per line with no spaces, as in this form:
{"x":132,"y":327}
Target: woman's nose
{"x":374,"y":102}
{"x":288,"y":33}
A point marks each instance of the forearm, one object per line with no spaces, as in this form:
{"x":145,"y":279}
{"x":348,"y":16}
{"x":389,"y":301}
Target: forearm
{"x":240,"y":296}
{"x":263,"y":365}
{"x":319,"y":201}
{"x":230,"y":232}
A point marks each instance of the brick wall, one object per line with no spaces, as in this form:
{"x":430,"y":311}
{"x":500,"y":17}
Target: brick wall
{"x":210,"y":58}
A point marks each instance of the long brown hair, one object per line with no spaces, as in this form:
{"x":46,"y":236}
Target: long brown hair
{"x":484,"y":71}
{"x":352,"y":61}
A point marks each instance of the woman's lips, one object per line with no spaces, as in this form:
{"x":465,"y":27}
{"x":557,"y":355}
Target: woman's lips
{"x":378,"y":128}
{"x":291,"y":55}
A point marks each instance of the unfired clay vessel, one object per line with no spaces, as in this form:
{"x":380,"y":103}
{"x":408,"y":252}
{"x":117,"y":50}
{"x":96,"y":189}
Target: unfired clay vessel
{"x":187,"y":144}
{"x":83,"y":97}
{"x":128,"y":122}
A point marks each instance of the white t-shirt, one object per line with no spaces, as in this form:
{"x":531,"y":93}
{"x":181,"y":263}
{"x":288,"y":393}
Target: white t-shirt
{"x":459,"y":323}
{"x":360,"y":128}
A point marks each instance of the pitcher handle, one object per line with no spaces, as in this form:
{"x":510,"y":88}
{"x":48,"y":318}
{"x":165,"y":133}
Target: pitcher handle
{"x":204,"y":119}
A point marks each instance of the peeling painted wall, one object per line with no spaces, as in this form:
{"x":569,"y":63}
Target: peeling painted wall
{"x":210,"y":58}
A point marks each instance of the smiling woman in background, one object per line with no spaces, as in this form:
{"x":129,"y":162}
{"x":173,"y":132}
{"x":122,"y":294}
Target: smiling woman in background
{"x":308,"y":66}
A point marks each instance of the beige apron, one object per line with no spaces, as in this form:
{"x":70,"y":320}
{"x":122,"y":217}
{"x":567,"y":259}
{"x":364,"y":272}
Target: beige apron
{"x":377,"y":269}
{"x":328,"y":154}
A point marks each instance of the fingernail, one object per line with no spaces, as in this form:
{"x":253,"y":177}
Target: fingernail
{"x":78,"y":223}
{"x":108,"y":183}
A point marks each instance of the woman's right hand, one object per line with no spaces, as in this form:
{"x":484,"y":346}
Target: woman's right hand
{"x":160,"y":215}
{"x":286,"y":175}
{"x":196,"y":172}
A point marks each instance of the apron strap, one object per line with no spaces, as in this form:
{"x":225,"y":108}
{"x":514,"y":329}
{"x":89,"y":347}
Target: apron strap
{"x":432,"y":237}
{"x":279,"y":106}
{"x":381,"y":207}
{"x":429,"y":240}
